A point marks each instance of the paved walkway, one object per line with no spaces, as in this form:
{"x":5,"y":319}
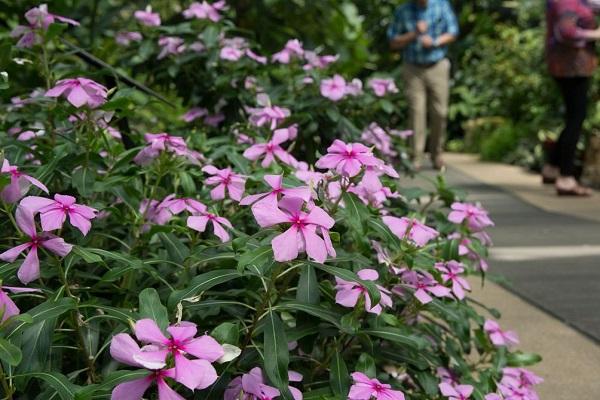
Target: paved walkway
{"x":547,"y":255}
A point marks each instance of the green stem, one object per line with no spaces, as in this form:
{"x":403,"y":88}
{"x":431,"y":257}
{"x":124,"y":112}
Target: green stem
{"x":8,"y":391}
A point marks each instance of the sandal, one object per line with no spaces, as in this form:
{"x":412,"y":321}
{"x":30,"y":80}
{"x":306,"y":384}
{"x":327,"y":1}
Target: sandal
{"x":549,"y":174}
{"x":576,"y":191}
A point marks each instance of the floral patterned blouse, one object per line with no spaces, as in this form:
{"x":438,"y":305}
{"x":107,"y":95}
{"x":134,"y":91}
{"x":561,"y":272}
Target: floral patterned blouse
{"x":568,"y":54}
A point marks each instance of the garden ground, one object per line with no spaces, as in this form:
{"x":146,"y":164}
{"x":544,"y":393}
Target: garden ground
{"x":545,"y":256}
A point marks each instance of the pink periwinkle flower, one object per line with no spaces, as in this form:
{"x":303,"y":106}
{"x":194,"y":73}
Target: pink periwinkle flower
{"x":178,"y":205}
{"x":199,"y":221}
{"x":405,"y":134}
{"x":382,"y":86}
{"x":230,"y":53}
{"x":170,"y":45}
{"x":456,"y":392}
{"x":348,"y":293}
{"x":267,"y":113}
{"x":225,"y":180}
{"x":19,"y":183}
{"x":272,"y":149}
{"x":125,"y":38}
{"x":498,"y":336}
{"x":302,"y":235}
{"x":365,"y":388}
{"x":476,"y":217}
{"x":194,"y":113}
{"x":205,"y":10}
{"x":423,"y":284}
{"x":252,"y":55}
{"x":53,"y":213}
{"x":8,"y":308}
{"x":447,"y":375}
{"x":354,"y":87}
{"x":79,"y":92}
{"x":451,"y":272}
{"x":39,"y":19}
{"x":317,"y":61}
{"x":277,"y":188}
{"x":375,"y":198}
{"x":378,"y":137}
{"x":196,"y":373}
{"x":410,"y":229}
{"x":163,"y":142}
{"x":147,"y":17}
{"x":308,"y":176}
{"x":214,"y":120}
{"x":333,"y":88}
{"x":252,"y":386}
{"x":30,"y":269}
{"x":518,"y":384}
{"x":347,"y":158}
{"x":293,"y":49}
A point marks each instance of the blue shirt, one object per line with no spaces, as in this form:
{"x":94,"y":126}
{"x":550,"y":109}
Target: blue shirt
{"x":440,"y":20}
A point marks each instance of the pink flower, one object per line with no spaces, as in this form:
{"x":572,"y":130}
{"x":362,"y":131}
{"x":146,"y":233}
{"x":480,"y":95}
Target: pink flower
{"x":177,"y":206}
{"x":259,"y":59}
{"x":8,"y":308}
{"x":333,"y":88}
{"x":125,"y":38}
{"x":194,"y":374}
{"x":424,"y":286}
{"x":80,"y":91}
{"x":498,"y":336}
{"x":365,"y":389}
{"x":194,"y":113}
{"x":456,"y":392}
{"x":252,"y":386}
{"x":375,"y":135}
{"x":268,"y":114}
{"x":53,"y":213}
{"x":451,"y":271}
{"x":199,"y":221}
{"x":518,"y":384}
{"x":19,"y":183}
{"x":155,"y":212}
{"x":347,"y":159}
{"x":302,"y":235}
{"x":271,"y":150}
{"x":147,"y":17}
{"x":410,"y":229}
{"x":349,"y":292}
{"x":476,"y":217}
{"x":39,"y":19}
{"x":205,"y":10}
{"x":308,"y":176}
{"x":276,"y":184}
{"x":293,"y":48}
{"x":401,"y":134}
{"x":163,"y":142}
{"x":170,"y":45}
{"x":354,"y":88}
{"x":382,"y":86}
{"x":30,"y":269}
{"x":230,"y":53}
{"x":224,"y":179}
{"x":374,"y":198}
{"x":317,"y":61}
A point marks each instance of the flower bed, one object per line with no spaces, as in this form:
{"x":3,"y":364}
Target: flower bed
{"x":257,"y":245}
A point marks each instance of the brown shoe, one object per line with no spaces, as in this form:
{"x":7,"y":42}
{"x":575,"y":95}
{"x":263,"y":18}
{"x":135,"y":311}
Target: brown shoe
{"x":568,"y":186}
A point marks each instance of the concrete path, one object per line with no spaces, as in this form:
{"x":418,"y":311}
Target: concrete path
{"x":547,"y":255}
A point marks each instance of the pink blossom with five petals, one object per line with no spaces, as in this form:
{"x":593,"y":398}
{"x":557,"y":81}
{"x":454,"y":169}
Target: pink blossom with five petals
{"x":423,"y":284}
{"x":80,"y":91}
{"x":411,"y":229}
{"x":252,"y":386}
{"x":498,"y":336}
{"x":271,"y":150}
{"x":476,"y":217}
{"x":199,"y":221}
{"x":19,"y":183}
{"x":53,"y":213}
{"x":456,"y":392}
{"x":276,"y":184}
{"x":382,"y":86}
{"x":451,"y":271}
{"x":225,"y":180}
{"x":147,"y":17}
{"x":347,"y":158}
{"x":333,"y":88}
{"x":8,"y":308}
{"x":348,"y":293}
{"x":365,"y":388}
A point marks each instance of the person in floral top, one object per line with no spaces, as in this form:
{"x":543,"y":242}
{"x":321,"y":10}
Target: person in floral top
{"x":570,"y":53}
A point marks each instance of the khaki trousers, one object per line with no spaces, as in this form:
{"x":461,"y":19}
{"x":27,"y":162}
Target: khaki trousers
{"x":427,"y":89}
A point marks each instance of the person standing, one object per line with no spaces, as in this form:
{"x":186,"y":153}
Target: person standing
{"x":571,"y":57}
{"x":422,"y":29}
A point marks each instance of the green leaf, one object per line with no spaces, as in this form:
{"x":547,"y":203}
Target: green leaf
{"x":520,"y":359}
{"x":112,"y":380}
{"x":397,"y":336}
{"x":202,"y":282}
{"x":381,"y":229}
{"x":177,"y":251}
{"x":62,"y":386}
{"x":339,"y":379}
{"x":276,"y":353}
{"x":151,"y":307}
{"x":366,"y":365}
{"x":356,"y":211}
{"x":36,"y":341}
{"x":352,"y":277}
{"x":314,"y":310}
{"x":450,"y":251}
{"x":83,"y":180}
{"x":87,"y":256}
{"x":44,"y":311}
{"x":226,"y":333}
{"x":256,"y":259}
{"x":55,"y":30}
{"x":9,"y":352}
{"x":308,"y":287}
{"x":428,"y":382}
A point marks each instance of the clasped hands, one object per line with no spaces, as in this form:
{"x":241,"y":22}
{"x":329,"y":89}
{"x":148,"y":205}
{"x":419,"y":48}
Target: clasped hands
{"x":426,"y":40}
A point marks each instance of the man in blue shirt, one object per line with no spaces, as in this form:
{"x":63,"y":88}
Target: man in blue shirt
{"x":422,"y":29}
